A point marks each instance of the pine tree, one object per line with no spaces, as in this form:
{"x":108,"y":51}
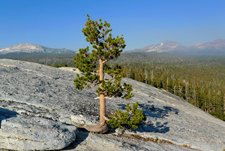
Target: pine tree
{"x":94,"y":65}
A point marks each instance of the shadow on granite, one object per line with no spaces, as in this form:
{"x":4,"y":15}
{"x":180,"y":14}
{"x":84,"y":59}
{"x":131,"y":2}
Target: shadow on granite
{"x":6,"y":114}
{"x":157,"y":113}
{"x":81,"y":136}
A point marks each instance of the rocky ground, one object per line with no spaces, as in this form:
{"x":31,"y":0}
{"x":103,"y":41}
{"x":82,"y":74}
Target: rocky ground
{"x":37,"y":101}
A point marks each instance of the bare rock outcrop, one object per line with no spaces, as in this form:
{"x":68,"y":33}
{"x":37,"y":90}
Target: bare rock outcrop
{"x":37,"y":92}
{"x":33,"y":133}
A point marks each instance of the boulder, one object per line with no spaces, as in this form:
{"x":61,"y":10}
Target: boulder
{"x":34,"y":133}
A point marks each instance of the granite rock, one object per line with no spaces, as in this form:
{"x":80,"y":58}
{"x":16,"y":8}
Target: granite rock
{"x":38,"y":91}
{"x":33,"y":133}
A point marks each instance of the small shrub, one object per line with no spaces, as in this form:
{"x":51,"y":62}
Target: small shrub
{"x":129,"y":119}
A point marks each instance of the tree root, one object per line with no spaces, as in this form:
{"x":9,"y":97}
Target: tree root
{"x":101,"y":128}
{"x":81,"y":122}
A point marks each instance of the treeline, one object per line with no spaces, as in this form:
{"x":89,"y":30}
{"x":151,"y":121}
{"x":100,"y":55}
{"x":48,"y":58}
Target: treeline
{"x":51,"y":59}
{"x":200,"y":81}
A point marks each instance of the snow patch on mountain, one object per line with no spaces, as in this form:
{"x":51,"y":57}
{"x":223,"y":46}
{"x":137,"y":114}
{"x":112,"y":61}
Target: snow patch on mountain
{"x":165,"y":46}
{"x":28,"y":48}
{"x":31,"y":48}
{"x":216,"y":47}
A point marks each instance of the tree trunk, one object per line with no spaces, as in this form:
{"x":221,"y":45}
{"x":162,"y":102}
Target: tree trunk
{"x":167,"y":83}
{"x":146,"y":76}
{"x":187,"y":91}
{"x":152,"y":77}
{"x":102,"y":97}
{"x":224,"y":104}
{"x":102,"y":126}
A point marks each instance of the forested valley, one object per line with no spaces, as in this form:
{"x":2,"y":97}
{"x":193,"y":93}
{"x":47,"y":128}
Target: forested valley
{"x":199,"y":80}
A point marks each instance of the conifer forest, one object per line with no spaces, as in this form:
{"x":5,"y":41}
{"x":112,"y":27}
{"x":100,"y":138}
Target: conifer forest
{"x":199,"y":80}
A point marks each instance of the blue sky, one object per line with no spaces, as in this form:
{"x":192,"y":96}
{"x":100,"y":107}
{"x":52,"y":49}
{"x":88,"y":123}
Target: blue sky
{"x":58,"y":23}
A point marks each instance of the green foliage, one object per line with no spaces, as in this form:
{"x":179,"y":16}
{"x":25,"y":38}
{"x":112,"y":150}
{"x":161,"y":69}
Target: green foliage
{"x":99,"y":34}
{"x":104,"y":47}
{"x":131,"y":118}
{"x":128,"y":89}
{"x":93,"y":65}
{"x":198,"y":80}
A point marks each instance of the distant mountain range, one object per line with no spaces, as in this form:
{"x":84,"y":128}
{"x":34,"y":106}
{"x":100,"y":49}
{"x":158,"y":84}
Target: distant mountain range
{"x":216,"y":47}
{"x":32,"y":48}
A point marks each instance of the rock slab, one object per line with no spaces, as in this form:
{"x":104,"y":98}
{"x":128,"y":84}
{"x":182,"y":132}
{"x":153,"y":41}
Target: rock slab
{"x":34,"y":133}
{"x":36,"y":91}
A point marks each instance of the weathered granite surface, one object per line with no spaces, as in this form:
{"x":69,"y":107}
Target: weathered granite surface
{"x":37,"y":91}
{"x":29,"y":133}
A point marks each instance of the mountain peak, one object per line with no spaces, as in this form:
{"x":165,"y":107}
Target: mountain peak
{"x":163,"y":46}
{"x":216,"y":44}
{"x":31,"y":48}
{"x":215,"y":47}
{"x":23,"y":47}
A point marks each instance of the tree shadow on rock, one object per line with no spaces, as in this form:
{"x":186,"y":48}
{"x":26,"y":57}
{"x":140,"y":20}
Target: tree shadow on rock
{"x":81,"y":136}
{"x":157,"y":113}
{"x":157,"y":127}
{"x":6,"y":114}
